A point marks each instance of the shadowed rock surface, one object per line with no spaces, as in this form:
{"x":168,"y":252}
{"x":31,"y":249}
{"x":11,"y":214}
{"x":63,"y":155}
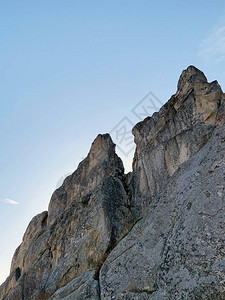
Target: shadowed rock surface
{"x":156,"y":233}
{"x":172,"y":135}
{"x":87,"y":215}
{"x":177,"y":251}
{"x":82,"y":287}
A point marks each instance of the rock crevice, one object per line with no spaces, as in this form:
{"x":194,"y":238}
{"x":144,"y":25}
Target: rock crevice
{"x":155,"y":233}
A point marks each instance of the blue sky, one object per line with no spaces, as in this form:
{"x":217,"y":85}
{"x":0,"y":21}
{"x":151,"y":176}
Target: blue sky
{"x":72,"y":69}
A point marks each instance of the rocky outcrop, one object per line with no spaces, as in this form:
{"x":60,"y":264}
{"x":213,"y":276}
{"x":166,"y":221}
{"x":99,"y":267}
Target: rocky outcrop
{"x":176,"y":251}
{"x":101,"y":162}
{"x":82,"y":287}
{"x":175,"y":133}
{"x":155,"y":233}
{"x":87,"y":216}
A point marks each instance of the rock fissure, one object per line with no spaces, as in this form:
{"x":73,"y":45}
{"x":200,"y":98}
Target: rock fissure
{"x":87,"y":245}
{"x":204,"y":214}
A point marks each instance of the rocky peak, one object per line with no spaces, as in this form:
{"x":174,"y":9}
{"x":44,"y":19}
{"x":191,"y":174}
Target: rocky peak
{"x":148,"y":235}
{"x":86,"y":217}
{"x":103,"y":144}
{"x":175,"y":133}
{"x":176,"y":251}
{"x":100,"y":162}
{"x":103,"y":150}
{"x":191,"y":76}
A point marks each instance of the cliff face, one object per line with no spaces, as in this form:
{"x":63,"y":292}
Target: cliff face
{"x":87,"y":215}
{"x":157,"y":233}
{"x":171,"y":136}
{"x":176,"y":251}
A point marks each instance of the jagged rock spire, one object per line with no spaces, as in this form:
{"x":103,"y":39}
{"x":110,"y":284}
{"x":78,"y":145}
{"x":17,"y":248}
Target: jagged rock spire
{"x":100,"y":162}
{"x":191,"y":75}
{"x":175,"y":133}
{"x":64,"y":249}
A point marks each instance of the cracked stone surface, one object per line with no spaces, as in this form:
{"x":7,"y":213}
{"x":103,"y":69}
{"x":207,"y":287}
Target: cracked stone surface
{"x":82,"y":287}
{"x":175,"y":133}
{"x":87,"y":215}
{"x":156,"y":233}
{"x":177,"y":251}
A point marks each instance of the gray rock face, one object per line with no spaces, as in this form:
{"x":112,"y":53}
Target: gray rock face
{"x":100,"y":162}
{"x":177,"y":250}
{"x":171,"y":136}
{"x":156,"y":233}
{"x":82,"y":287}
{"x":87,"y":215}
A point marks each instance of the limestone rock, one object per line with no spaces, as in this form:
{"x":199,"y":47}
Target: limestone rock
{"x":177,"y":250}
{"x":35,"y":228}
{"x":100,"y":162}
{"x":80,"y":288}
{"x":155,"y":233}
{"x":172,"y":135}
{"x":87,"y":215}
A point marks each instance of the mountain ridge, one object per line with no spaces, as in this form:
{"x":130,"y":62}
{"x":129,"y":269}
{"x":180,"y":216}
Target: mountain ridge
{"x":76,"y":249}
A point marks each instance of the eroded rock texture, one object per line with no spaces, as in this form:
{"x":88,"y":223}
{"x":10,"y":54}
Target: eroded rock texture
{"x":177,"y":250}
{"x":87,"y":215}
{"x":172,"y":135}
{"x":156,"y":233}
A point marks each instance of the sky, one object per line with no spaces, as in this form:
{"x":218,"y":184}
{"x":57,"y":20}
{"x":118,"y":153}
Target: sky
{"x":70,"y":70}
